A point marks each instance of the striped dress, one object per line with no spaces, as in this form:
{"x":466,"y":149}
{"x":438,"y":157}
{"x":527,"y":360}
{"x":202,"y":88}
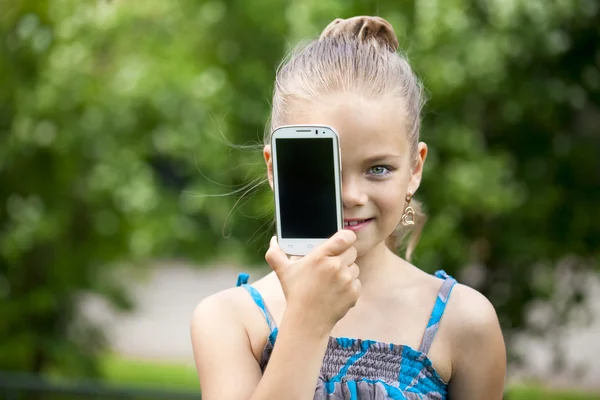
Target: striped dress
{"x":358,"y":369}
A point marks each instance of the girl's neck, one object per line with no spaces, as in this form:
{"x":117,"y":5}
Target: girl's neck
{"x":377,"y":265}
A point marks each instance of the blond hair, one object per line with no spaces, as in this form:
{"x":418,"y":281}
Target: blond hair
{"x":354,"y":55}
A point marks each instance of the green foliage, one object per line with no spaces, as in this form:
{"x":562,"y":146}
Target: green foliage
{"x":127,"y":372}
{"x":513,"y":126}
{"x":535,"y":393}
{"x":115,"y":117}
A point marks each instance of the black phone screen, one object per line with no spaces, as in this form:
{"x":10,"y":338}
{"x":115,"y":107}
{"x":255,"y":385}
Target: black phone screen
{"x":306,"y":183}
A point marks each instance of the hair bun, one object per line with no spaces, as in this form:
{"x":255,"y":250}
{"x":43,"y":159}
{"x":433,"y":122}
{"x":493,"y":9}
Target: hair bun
{"x":363,"y":28}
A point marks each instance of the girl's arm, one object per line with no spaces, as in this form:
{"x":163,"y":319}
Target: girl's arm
{"x":479,"y":355}
{"x":224,"y":360}
{"x":319,"y":290}
{"x":226,"y":365}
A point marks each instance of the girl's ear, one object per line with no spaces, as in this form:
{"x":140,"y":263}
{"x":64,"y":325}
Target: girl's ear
{"x":269,"y":162}
{"x":417,"y":171}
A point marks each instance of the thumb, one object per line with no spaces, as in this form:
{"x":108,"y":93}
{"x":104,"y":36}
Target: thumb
{"x":276,"y":258}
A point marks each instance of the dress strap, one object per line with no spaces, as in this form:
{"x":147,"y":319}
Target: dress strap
{"x":438,"y":311}
{"x":260,"y":302}
{"x":242,"y":279}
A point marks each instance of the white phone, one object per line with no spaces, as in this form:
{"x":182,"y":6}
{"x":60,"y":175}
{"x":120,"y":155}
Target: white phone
{"x":307,"y":185}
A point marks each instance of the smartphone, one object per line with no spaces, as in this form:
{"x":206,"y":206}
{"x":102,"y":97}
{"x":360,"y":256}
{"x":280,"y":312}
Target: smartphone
{"x":307,"y":186}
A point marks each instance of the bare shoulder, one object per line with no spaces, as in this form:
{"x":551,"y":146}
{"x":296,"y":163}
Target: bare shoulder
{"x":470,"y":314}
{"x":216,"y":307}
{"x":223,"y":346}
{"x":215,"y":313}
{"x":478,"y":350}
{"x":234,"y":310}
{"x":233,"y":303}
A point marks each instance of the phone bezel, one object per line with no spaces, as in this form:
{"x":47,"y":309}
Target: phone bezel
{"x":301,"y":247}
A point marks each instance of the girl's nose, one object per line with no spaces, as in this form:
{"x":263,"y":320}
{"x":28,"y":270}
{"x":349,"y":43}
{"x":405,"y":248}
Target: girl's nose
{"x":352,"y":193}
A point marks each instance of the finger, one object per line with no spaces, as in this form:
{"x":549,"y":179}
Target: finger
{"x":276,"y":258}
{"x":354,"y":271}
{"x":349,"y":256}
{"x":295,"y":258}
{"x":357,"y":286}
{"x":338,"y":243}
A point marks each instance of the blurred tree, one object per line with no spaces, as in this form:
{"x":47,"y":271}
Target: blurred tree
{"x":115,"y":119}
{"x":514,"y":124}
{"x":104,"y":113}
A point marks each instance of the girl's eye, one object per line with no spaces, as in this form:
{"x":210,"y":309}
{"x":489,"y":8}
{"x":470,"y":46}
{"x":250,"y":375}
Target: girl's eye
{"x":379,"y":170}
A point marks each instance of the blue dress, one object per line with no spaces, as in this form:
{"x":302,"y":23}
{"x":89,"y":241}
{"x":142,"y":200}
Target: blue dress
{"x":358,"y":369}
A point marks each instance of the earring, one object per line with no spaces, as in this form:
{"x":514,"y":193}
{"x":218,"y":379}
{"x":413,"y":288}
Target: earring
{"x":408,"y":218}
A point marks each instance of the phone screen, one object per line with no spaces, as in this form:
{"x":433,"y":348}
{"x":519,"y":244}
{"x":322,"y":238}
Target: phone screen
{"x":306,"y":184}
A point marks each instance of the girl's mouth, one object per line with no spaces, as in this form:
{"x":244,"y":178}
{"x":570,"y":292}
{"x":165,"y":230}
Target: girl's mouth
{"x":356,"y":224}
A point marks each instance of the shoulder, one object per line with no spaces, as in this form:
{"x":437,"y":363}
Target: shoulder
{"x":218,"y":308}
{"x":222,"y":344}
{"x":232,"y":303}
{"x":474,"y":331}
{"x":223,"y":317}
{"x":235,"y":311}
{"x":470,"y":314}
{"x":478,"y":350}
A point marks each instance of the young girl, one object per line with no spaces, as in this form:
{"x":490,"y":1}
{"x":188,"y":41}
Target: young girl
{"x":312,"y":328}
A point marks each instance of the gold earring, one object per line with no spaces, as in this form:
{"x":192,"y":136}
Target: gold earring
{"x":408,"y":218}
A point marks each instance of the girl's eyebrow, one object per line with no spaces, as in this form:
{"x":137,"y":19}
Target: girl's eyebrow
{"x":381,"y":157}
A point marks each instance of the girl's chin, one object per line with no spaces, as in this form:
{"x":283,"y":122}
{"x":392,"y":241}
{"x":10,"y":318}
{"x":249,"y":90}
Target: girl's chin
{"x":363,"y":248}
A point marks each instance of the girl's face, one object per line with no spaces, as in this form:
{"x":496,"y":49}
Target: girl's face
{"x":377,"y":167}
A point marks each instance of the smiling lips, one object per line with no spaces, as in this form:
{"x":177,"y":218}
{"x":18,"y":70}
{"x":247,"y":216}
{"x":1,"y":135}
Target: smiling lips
{"x":356,"y":224}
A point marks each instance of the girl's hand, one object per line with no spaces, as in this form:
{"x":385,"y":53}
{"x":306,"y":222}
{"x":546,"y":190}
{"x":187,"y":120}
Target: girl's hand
{"x":324,"y":284}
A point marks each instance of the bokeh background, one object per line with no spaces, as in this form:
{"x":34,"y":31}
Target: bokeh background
{"x":131,"y":177}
